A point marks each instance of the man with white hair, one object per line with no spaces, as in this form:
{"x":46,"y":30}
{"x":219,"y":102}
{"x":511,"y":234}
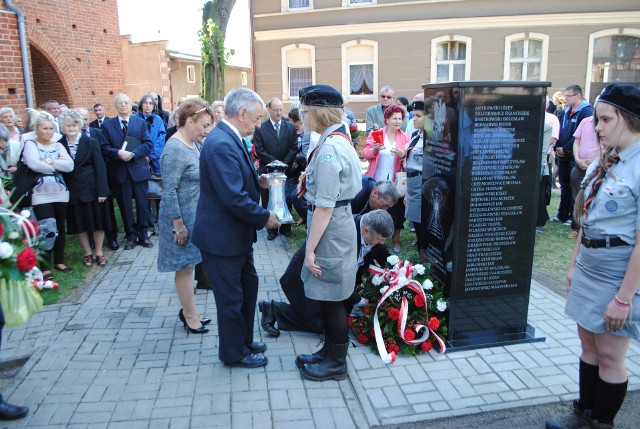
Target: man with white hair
{"x":126,"y":144}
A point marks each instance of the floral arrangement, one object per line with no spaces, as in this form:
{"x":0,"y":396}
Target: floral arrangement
{"x":19,"y":276}
{"x":405,"y":313}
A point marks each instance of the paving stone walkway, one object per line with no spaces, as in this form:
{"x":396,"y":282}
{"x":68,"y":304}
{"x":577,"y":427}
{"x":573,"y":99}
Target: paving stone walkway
{"x":119,"y":358}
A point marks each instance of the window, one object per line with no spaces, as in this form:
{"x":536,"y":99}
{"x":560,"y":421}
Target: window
{"x":526,"y":56}
{"x":614,"y":56}
{"x":357,"y":2}
{"x":450,"y":58}
{"x":299,"y":4}
{"x":191,"y":74}
{"x":299,"y":77}
{"x":360,"y":69}
{"x":298,"y":69}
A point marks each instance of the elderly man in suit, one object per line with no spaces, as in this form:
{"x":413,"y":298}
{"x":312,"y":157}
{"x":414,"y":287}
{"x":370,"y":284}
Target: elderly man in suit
{"x":375,"y":114}
{"x":276,"y":139}
{"x":302,"y":313}
{"x":227,"y":218}
{"x":98,"y":110}
{"x":128,"y":168}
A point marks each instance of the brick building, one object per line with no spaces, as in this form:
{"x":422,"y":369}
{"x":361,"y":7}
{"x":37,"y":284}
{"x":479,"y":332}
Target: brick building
{"x":73,"y":51}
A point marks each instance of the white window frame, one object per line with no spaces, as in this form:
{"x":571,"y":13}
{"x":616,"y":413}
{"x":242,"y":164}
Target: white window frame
{"x":634,"y":32}
{"x":191,"y":70}
{"x":544,"y":60}
{"x":347,"y":3}
{"x":345,"y":70}
{"x":284,"y":6}
{"x":285,"y":67}
{"x":434,"y":54}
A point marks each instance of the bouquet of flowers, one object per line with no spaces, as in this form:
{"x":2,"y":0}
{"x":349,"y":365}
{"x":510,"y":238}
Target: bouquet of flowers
{"x":406,"y":312}
{"x":18,"y":272}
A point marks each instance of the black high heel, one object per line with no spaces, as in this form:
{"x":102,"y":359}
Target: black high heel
{"x":204,"y":321}
{"x":200,"y":330}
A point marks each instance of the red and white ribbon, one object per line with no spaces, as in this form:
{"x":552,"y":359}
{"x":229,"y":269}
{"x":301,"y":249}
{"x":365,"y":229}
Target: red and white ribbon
{"x":400,"y":277}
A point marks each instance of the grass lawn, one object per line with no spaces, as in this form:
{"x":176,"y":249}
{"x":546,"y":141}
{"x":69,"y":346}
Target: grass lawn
{"x":551,"y":254}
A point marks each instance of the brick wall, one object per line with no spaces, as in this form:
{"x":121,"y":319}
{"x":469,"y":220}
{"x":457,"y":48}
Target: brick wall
{"x":74,"y":50}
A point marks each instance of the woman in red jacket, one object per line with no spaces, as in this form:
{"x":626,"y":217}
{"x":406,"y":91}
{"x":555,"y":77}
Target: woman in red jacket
{"x":385,"y":151}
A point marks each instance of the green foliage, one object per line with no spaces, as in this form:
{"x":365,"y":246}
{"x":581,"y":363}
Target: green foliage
{"x":212,"y":44}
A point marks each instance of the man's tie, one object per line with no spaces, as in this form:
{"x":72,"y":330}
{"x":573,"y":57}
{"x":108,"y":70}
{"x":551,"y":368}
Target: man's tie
{"x":124,"y":127}
{"x":99,"y":123}
{"x":278,"y":129}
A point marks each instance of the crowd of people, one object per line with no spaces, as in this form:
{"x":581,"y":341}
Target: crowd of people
{"x":211,"y":159}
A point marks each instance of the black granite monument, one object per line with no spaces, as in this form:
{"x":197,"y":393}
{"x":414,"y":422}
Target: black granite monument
{"x":481,"y":171}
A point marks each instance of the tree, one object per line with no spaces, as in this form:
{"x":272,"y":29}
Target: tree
{"x":215,"y":17}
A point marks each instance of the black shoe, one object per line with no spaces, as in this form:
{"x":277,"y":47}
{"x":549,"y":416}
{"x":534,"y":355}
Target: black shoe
{"x":114,"y":245}
{"x":268,"y":319}
{"x":203,"y":285}
{"x":332,"y":367}
{"x":314,"y":358}
{"x":11,"y":412}
{"x":258,"y":347}
{"x":250,"y":361}
{"x":146,"y":243}
{"x":131,"y":244}
{"x":65,"y":270}
{"x":200,"y":330}
{"x":285,"y":230}
{"x":271,"y":236}
{"x":205,"y":321}
{"x":578,"y":419}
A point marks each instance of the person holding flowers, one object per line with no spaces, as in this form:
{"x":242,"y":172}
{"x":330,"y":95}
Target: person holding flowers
{"x":604,"y":272}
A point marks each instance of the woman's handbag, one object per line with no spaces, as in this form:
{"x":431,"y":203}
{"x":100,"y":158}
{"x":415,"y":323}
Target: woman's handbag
{"x":23,"y":180}
{"x":401,"y":183}
{"x":20,"y":301}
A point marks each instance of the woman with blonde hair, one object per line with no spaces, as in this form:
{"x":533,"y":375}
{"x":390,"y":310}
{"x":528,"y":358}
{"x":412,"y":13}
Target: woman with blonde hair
{"x":604,"y":273}
{"x":332,"y":178}
{"x":50,"y":195}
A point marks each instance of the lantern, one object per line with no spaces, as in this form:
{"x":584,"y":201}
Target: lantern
{"x":277,"y":195}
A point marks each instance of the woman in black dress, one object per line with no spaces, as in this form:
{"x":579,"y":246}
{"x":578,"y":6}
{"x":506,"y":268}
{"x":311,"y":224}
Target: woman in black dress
{"x":88,"y":188}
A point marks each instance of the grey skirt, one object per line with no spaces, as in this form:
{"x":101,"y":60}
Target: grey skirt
{"x":596,"y":279}
{"x":413,"y":199}
{"x":336,"y":254}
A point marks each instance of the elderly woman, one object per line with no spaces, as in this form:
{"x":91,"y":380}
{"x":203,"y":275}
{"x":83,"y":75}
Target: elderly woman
{"x":332,"y":179}
{"x":50,"y":195}
{"x":385,"y":150}
{"x":180,"y":194}
{"x":8,"y":119}
{"x":218,"y":111}
{"x":5,"y":154}
{"x":155,"y":126}
{"x":87,"y":212}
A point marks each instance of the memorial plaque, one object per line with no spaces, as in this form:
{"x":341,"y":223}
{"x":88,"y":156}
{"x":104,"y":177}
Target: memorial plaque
{"x":481,"y":174}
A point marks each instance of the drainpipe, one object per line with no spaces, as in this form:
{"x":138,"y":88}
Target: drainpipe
{"x":26,"y":72}
{"x":253,"y":52}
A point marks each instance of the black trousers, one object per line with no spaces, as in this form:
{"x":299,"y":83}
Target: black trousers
{"x":301,"y":313}
{"x":235,"y":290}
{"x":565,"y":210}
{"x":58,"y":211}
{"x":136,"y":229}
{"x":112,"y":234}
{"x":543,"y":215}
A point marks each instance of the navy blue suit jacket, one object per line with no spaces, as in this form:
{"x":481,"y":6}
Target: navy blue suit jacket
{"x":228,"y":213}
{"x":111,"y":140}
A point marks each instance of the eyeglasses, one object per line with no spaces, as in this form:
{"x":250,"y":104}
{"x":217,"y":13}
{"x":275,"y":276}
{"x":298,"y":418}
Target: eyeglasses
{"x":386,"y":96}
{"x":569,"y":95}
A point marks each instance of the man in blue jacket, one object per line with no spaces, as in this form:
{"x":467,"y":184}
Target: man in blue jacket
{"x":227,"y":218}
{"x":577,"y":109}
{"x":128,"y":168}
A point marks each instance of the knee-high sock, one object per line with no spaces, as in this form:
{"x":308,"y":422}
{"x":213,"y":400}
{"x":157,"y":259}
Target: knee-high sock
{"x":608,"y":400}
{"x":588,"y":381}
